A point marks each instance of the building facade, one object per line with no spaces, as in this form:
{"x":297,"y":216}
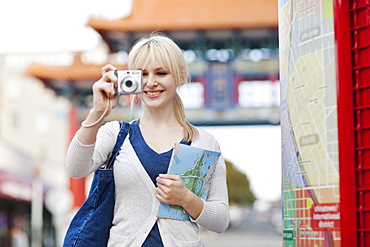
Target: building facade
{"x":32,"y":145}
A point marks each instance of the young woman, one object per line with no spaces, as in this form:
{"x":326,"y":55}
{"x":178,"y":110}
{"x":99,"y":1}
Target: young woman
{"x":140,"y":169}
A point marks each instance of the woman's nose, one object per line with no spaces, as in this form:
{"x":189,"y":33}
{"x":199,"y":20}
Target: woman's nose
{"x":151,"y":82}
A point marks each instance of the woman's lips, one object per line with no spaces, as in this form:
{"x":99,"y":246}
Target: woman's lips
{"x":153,"y":93}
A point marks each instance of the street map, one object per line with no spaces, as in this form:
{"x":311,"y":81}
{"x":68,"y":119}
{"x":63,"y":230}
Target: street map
{"x":309,"y":123}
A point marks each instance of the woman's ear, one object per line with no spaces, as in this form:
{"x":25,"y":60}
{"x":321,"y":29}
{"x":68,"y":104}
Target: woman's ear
{"x":184,"y":77}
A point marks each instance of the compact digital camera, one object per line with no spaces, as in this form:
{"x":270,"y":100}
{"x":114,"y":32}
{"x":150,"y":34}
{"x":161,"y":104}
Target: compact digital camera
{"x":129,"y":81}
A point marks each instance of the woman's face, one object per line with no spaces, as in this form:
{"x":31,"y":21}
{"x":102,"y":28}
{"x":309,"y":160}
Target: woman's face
{"x":159,"y":86}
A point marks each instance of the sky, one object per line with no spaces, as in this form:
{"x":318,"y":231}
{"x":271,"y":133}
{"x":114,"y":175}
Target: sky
{"x":53,"y":26}
{"x":34,"y":26}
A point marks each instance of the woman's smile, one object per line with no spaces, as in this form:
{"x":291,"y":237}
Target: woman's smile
{"x":153,"y":94}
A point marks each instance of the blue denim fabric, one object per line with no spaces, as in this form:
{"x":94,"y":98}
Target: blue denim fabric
{"x":91,"y":225}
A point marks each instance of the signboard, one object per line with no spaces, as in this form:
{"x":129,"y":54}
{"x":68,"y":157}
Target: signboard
{"x":325,"y":217}
{"x":13,"y":187}
{"x":220,"y":88}
{"x":310,"y":180}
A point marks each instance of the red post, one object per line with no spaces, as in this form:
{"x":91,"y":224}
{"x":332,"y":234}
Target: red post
{"x":347,"y":156}
{"x":77,"y":186}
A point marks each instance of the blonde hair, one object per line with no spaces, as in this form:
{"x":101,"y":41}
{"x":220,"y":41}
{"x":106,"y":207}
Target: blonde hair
{"x":168,"y":54}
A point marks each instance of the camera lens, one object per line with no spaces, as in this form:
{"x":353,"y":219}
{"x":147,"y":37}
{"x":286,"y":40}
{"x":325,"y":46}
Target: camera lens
{"x":129,"y":83}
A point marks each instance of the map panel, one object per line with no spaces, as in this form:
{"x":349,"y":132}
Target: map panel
{"x":309,"y":123}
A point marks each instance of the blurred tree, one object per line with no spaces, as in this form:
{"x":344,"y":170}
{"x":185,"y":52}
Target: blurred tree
{"x":238,"y":186}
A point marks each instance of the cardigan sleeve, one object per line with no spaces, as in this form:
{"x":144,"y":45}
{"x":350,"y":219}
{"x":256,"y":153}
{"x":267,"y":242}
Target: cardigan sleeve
{"x":215,"y":214}
{"x":81,"y":160}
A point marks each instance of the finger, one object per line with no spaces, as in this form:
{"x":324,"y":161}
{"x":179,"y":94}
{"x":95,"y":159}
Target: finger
{"x":107,"y":68}
{"x":103,"y":88}
{"x":167,"y":182}
{"x":110,"y":81}
{"x":161,"y":193}
{"x":160,"y":190}
{"x":169,"y":176}
{"x":161,"y":199}
{"x":110,"y":77}
{"x":161,"y":182}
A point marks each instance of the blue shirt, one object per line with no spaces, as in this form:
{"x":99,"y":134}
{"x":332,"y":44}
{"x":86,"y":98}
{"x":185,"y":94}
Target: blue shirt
{"x":154,"y":165}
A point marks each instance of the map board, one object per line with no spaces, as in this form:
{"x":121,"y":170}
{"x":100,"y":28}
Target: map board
{"x":310,"y":193}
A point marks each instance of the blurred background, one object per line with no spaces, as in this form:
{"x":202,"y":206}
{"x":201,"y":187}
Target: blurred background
{"x":51,"y":52}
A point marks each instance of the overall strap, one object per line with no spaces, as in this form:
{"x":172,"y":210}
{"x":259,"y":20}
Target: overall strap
{"x":124,"y":129}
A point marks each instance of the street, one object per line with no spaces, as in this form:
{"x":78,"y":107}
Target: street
{"x":254,"y":230}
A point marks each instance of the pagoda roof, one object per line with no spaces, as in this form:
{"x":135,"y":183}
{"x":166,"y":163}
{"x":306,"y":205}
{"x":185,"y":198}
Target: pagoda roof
{"x":171,"y":15}
{"x":78,"y":71}
{"x":59,"y":78}
{"x":72,"y":73}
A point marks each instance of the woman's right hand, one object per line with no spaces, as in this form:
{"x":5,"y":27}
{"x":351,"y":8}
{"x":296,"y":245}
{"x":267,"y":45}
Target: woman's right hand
{"x":103,"y":91}
{"x":104,"y":99}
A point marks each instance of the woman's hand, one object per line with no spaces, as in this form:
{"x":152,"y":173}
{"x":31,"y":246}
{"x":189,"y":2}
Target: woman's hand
{"x":104,"y":99}
{"x":172,"y":190}
{"x":103,"y":90}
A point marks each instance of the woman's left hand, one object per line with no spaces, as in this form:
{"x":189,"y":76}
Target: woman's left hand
{"x":171,"y":189}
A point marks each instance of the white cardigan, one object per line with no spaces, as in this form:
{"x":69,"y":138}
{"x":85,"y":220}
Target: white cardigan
{"x":136,"y":205}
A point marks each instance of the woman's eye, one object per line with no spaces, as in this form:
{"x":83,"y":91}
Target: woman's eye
{"x":162,"y":73}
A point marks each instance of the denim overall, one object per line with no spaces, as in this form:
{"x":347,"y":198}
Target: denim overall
{"x":91,"y":225}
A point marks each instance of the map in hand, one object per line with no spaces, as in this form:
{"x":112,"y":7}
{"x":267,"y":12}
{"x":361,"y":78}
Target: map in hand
{"x":196,"y":167}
